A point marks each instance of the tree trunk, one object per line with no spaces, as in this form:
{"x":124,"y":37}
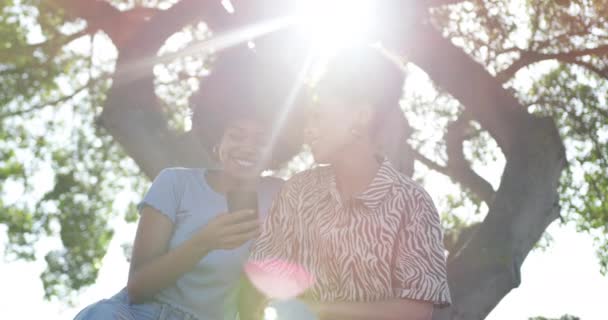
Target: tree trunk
{"x":132,"y":114}
{"x":488,"y":266}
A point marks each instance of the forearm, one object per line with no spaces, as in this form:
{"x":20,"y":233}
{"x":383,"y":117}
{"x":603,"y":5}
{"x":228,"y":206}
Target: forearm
{"x":251,"y":302}
{"x":402,"y":309}
{"x":163,"y":271}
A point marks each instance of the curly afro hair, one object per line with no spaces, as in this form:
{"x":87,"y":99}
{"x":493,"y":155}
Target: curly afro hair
{"x":365,"y":73}
{"x":245,"y":84}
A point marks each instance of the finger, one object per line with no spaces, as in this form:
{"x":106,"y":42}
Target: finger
{"x":236,"y":244}
{"x":241,"y":227}
{"x":238,"y":240}
{"x":238,"y":216}
{"x":251,"y":233}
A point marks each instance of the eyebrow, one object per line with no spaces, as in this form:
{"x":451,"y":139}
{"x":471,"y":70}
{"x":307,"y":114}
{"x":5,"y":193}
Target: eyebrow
{"x":241,"y":129}
{"x":236,"y":128}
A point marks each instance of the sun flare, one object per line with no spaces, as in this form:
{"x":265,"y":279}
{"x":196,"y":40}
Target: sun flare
{"x":333,"y":24}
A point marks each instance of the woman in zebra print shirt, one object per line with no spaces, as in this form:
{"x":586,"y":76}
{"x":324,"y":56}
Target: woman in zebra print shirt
{"x":367,"y":236}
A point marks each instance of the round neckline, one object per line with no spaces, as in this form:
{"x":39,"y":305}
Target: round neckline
{"x":202,"y":179}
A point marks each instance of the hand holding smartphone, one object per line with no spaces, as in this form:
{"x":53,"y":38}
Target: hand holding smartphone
{"x":233,"y":229}
{"x":242,"y":200}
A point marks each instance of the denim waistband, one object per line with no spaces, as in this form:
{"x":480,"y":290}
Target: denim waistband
{"x":162,"y":310}
{"x":169,"y":312}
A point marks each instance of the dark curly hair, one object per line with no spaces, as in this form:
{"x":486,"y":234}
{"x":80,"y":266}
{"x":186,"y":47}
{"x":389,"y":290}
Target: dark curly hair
{"x":365,"y":73}
{"x":244,"y":84}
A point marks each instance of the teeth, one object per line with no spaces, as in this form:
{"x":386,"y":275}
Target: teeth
{"x":244,"y":163}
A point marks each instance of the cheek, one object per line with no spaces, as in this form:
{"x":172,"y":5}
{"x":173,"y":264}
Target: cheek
{"x":335,"y":132}
{"x":332,"y":124}
{"x":224,"y":149}
{"x":332,"y":136}
{"x":338,"y":127}
{"x":221,"y":153}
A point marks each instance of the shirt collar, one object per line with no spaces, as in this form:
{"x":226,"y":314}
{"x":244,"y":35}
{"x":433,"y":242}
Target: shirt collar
{"x":377,"y":190}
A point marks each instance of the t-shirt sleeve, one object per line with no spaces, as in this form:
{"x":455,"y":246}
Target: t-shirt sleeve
{"x":420,"y":266}
{"x":163,"y":194}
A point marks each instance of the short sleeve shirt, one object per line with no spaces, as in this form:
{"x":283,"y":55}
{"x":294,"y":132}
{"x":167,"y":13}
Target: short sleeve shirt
{"x":183,"y":195}
{"x":384,"y":243}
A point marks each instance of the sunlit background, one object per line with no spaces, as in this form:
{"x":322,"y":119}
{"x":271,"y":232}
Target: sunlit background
{"x":564,"y":263}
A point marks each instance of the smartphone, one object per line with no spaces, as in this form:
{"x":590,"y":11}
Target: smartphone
{"x":242,"y":200}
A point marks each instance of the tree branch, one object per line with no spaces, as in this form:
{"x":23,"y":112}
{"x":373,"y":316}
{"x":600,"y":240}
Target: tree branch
{"x":120,"y":26}
{"x":529,"y":57}
{"x":438,"y":3}
{"x":460,"y":168}
{"x":54,"y":45}
{"x":28,"y":51}
{"x":56,"y":101}
{"x":430,"y":163}
{"x":470,"y":83}
{"x":487,"y":267}
{"x":165,"y":23}
{"x":132,"y":100}
{"x":600,"y":72}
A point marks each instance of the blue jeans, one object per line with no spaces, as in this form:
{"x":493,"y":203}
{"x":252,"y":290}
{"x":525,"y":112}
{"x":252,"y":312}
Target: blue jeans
{"x":118,"y":308}
{"x":292,"y":309}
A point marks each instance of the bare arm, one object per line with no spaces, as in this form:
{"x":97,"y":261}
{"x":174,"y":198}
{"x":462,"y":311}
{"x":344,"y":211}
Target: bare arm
{"x":155,"y":267}
{"x":402,"y":309}
{"x":251,"y":301}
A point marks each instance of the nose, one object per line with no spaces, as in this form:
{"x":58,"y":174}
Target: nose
{"x":310,"y":132}
{"x":257,"y":143}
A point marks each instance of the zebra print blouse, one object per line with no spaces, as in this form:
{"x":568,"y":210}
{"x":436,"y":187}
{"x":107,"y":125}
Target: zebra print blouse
{"x":384,"y":243}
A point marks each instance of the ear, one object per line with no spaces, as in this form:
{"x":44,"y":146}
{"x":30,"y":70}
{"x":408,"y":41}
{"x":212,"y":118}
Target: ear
{"x":363,"y":117}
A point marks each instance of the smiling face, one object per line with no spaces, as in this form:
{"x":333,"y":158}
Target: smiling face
{"x":244,"y":150}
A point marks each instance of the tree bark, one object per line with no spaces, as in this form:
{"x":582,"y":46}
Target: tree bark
{"x":488,"y":266}
{"x":132,"y":113}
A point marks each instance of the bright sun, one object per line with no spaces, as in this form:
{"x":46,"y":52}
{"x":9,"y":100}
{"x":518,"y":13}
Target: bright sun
{"x":332,"y":24}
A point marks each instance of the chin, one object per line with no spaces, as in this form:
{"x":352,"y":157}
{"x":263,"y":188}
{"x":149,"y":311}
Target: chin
{"x":321,"y":157}
{"x":244,"y":174}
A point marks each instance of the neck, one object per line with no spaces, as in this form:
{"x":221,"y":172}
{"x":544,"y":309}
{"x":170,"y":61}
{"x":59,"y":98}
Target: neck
{"x":355,"y":171}
{"x":222,"y":182}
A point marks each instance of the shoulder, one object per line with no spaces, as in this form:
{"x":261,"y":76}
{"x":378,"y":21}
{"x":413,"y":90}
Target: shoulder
{"x":179,"y":176}
{"x":409,"y":190}
{"x":411,"y":186}
{"x":270,"y":185}
{"x":182,"y":172}
{"x":271,"y":182}
{"x":309,"y":178}
{"x":179,"y":171}
{"x":303,"y":184}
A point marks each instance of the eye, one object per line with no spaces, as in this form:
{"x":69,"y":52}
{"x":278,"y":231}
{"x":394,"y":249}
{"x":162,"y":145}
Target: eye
{"x":314,"y":116}
{"x":260,"y":137}
{"x":237,"y":135}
